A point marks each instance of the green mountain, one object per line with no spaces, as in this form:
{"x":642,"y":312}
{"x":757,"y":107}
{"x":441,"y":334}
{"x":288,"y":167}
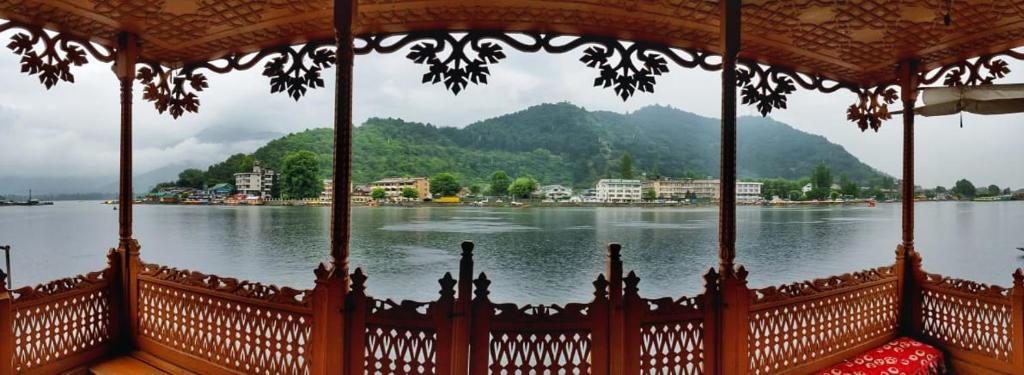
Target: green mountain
{"x":565,"y":144}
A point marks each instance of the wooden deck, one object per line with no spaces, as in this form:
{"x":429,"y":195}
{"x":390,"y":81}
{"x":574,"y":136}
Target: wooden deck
{"x":139,"y":363}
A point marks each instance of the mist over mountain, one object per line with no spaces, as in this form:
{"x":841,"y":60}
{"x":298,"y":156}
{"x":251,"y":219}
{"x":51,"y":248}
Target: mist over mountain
{"x":565,"y":144}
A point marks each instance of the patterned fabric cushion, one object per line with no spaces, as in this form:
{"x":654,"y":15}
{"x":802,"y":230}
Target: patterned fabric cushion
{"x":902,"y":356}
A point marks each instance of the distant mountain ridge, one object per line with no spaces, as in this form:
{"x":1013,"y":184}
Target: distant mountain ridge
{"x":565,"y":144}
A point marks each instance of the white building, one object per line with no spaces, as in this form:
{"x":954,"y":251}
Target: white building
{"x":619,"y":191}
{"x":555,"y":192}
{"x":326,"y":196}
{"x":748,"y":191}
{"x":257,"y":183}
{"x":807,"y":188}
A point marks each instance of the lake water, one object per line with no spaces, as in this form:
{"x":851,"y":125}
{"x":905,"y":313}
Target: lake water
{"x":545,"y":255}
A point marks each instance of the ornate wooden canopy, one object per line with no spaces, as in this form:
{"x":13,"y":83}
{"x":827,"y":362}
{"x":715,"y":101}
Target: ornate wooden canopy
{"x":855,"y":41}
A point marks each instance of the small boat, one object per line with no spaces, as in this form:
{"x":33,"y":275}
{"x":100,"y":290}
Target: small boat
{"x":1020,"y":248}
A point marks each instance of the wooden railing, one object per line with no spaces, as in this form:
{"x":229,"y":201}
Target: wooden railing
{"x":980,"y":326}
{"x":210,"y":324}
{"x":59,"y":325}
{"x":800,"y":327}
{"x":214,"y":325}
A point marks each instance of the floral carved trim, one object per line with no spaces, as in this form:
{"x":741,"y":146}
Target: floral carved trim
{"x":872,"y":107}
{"x":965,"y":286}
{"x":294,"y":71}
{"x":59,"y":286}
{"x":572,"y":312}
{"x":244,"y":289}
{"x":171,"y":90}
{"x":669,"y":306}
{"x":51,"y":57}
{"x":389,"y":309}
{"x":812,"y":287}
{"x":982,"y":71}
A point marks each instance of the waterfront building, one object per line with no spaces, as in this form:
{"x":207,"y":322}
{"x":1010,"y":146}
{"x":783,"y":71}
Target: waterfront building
{"x":327,"y":192}
{"x":393,"y":187}
{"x":748,"y":191}
{"x":220,"y":191}
{"x":555,"y":192}
{"x":258,"y":183}
{"x":613,"y":190}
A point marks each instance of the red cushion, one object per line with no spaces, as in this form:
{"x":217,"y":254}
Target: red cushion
{"x":902,"y":356}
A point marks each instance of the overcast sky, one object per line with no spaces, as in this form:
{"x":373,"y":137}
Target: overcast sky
{"x":72,"y":129}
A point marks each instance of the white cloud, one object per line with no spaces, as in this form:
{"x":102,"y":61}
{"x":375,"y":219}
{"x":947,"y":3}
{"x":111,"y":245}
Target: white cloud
{"x":73,"y":128}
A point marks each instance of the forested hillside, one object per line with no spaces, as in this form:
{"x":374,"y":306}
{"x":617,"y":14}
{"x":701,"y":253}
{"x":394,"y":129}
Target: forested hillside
{"x":564,"y":144}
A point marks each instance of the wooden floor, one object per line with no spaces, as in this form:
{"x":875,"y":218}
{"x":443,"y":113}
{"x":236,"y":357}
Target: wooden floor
{"x":138,"y":363}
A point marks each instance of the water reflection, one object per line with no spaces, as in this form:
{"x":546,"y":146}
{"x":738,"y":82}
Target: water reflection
{"x":531,"y":255}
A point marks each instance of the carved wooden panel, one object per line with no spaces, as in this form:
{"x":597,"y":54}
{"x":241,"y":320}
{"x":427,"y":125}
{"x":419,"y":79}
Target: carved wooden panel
{"x":797,"y":324}
{"x":241,"y":329}
{"x":671,"y":335}
{"x":59,"y":319}
{"x":675,"y":348}
{"x":544,"y":339}
{"x":968,"y":316}
{"x":400,"y":339}
{"x":540,"y":352}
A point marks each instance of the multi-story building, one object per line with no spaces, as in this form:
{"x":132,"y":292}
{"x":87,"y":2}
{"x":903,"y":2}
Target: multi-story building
{"x":680,"y":189}
{"x":619,"y":191}
{"x":258,"y":183}
{"x":748,"y":191}
{"x":328,"y":192}
{"x":703,"y":189}
{"x":555,"y":192}
{"x":393,"y":187}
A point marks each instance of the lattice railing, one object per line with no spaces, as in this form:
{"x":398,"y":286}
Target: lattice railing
{"x":672,"y":336}
{"x":967,"y":316}
{"x":400,"y":338}
{"x":804,"y":324}
{"x":540,"y":340}
{"x":61,"y":319}
{"x":237,"y":325}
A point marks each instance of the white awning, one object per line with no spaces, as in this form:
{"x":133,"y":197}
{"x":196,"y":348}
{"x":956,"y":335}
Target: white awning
{"x":982,"y":100}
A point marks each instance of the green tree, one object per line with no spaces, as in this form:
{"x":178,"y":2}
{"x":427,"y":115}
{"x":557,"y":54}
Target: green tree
{"x":378,"y":193}
{"x":410,"y":193}
{"x":847,"y":187}
{"x":475,"y":189}
{"x":225,"y":170}
{"x":964,"y":189}
{"x":522,"y":187}
{"x":444,"y":185}
{"x":193,"y":178}
{"x":300,"y":177}
{"x":1007,"y":191}
{"x":993,"y":190}
{"x":650,"y":195}
{"x":821,"y":182}
{"x":940,"y":189}
{"x":499,"y":183}
{"x":626,"y":167}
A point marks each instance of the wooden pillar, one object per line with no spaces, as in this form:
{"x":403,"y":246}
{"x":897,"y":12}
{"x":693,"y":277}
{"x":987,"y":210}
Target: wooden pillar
{"x":616,"y":322}
{"x":1017,"y":322}
{"x":731,"y":325}
{"x":461,"y":314}
{"x":128,"y":248}
{"x":6,"y":327}
{"x":480,"y":333}
{"x":730,"y":31}
{"x":634,"y":308}
{"x":335,"y":339}
{"x":908,"y":262}
{"x":712,"y":303}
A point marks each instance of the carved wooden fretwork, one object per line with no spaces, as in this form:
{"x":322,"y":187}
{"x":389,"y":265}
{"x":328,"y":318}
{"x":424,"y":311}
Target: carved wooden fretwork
{"x":968,"y":316}
{"x":981,"y":71}
{"x":171,"y":90}
{"x":872,"y":107}
{"x":51,"y":57}
{"x":799,"y":323}
{"x":59,"y":319}
{"x":400,"y":350}
{"x":812,"y":287}
{"x":237,"y":325}
{"x":557,"y":352}
{"x":230,"y":286}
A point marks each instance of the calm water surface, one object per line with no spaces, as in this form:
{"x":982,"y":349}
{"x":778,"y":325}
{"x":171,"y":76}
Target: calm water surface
{"x":531,"y":255}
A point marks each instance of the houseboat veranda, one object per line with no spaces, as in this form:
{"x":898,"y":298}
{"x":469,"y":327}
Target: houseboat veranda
{"x":184,"y":321}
